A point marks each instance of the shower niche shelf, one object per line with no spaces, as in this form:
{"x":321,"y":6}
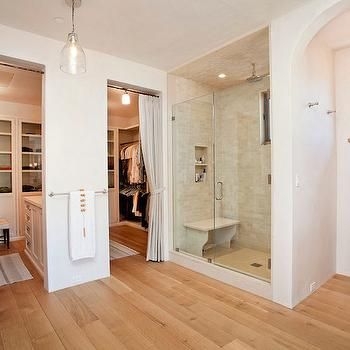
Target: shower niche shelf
{"x":200,"y":163}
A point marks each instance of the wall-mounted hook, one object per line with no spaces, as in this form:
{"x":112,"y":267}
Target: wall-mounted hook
{"x":313,"y":104}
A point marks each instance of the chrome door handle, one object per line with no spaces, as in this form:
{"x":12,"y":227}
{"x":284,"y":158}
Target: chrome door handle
{"x":219,"y":194}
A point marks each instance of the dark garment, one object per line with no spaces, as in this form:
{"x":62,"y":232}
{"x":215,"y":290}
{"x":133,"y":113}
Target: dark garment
{"x":142,"y":206}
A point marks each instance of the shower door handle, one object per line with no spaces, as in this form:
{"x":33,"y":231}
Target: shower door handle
{"x":219,"y":194}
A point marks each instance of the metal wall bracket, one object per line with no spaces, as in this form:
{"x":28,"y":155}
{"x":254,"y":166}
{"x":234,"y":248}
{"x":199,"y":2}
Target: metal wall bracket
{"x":313,"y":104}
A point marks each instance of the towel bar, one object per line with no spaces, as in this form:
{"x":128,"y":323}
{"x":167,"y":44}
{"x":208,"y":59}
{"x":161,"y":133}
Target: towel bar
{"x":51,"y":194}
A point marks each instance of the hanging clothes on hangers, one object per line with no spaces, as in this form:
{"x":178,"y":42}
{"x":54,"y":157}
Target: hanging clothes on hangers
{"x":133,"y":183}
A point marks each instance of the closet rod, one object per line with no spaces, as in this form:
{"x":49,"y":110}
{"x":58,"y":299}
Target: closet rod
{"x":131,"y":90}
{"x":22,"y":68}
{"x":129,"y":143}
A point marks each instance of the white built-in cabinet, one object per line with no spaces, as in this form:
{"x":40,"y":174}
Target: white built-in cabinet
{"x":33,"y":234}
{"x":8,"y":195}
{"x":20,"y":169}
{"x":113,"y":176}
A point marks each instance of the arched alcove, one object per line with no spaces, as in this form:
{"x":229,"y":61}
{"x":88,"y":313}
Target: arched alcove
{"x":293,"y":252}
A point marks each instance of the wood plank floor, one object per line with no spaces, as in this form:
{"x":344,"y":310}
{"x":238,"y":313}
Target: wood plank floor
{"x":131,"y":237}
{"x":164,"y":306}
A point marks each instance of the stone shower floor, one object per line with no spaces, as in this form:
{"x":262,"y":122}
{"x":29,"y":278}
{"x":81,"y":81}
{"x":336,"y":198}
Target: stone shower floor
{"x":241,"y":260}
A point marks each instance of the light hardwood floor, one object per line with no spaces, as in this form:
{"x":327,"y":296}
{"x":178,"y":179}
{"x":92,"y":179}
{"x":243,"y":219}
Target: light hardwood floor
{"x":164,"y":306}
{"x":129,"y":236}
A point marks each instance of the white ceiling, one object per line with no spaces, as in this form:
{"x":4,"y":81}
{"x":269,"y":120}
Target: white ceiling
{"x":20,"y":86}
{"x":336,"y":34}
{"x":234,"y":60}
{"x":160,"y":33}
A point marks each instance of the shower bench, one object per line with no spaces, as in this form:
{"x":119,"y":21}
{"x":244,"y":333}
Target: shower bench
{"x":216,"y":232}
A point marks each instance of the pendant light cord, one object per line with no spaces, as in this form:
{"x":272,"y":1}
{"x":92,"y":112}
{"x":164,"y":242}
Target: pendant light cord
{"x":73,"y":8}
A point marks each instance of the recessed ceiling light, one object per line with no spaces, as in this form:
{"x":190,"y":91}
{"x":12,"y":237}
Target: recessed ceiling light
{"x":58,"y":20}
{"x":222,"y":75}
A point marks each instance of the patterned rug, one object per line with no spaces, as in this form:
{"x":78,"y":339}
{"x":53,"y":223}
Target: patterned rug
{"x":12,"y":269}
{"x":118,"y":251}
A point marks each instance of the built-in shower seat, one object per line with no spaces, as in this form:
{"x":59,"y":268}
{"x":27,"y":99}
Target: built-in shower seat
{"x":214,"y":232}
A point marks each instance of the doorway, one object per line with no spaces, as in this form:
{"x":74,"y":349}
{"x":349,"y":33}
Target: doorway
{"x":22,"y":160}
{"x":128,"y":193}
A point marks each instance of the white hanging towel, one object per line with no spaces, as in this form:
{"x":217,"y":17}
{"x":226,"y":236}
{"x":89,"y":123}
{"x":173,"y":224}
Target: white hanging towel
{"x":82,"y":230}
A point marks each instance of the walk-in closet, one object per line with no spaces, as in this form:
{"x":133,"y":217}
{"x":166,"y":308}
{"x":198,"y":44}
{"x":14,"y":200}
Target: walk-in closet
{"x":127,"y":179}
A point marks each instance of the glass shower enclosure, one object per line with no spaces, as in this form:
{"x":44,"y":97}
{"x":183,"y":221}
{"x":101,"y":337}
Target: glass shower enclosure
{"x":222,"y":178}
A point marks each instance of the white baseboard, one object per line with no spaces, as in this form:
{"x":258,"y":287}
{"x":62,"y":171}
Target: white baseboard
{"x":233,"y":278}
{"x":34,"y":263}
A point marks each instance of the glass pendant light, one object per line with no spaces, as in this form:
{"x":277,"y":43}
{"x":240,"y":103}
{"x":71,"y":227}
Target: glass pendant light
{"x":125,"y":98}
{"x":73,"y":59}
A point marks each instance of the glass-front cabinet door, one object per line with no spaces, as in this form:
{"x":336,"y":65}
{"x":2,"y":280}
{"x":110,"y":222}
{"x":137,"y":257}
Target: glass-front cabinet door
{"x":6,"y":160}
{"x":7,"y":173}
{"x":31,"y":157}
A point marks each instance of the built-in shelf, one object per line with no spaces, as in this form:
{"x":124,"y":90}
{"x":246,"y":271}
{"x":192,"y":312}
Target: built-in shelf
{"x":31,"y":135}
{"x":200,"y":167}
{"x":6,"y":158}
{"x":31,"y":139}
{"x":111,"y":159}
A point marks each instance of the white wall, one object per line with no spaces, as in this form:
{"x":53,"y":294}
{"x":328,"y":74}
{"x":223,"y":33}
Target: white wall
{"x":289,"y":37}
{"x":314,"y":166}
{"x":75,"y":124}
{"x":342,"y":72}
{"x":20,"y":110}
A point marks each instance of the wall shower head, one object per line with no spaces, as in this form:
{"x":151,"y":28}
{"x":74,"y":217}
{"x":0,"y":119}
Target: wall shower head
{"x":254,"y":78}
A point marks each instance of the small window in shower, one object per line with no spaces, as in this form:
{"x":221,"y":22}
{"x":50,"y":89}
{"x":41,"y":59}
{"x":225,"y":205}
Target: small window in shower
{"x":265,"y":126}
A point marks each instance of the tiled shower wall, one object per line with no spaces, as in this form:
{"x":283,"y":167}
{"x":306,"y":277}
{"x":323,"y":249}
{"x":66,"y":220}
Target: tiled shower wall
{"x":243,"y":164}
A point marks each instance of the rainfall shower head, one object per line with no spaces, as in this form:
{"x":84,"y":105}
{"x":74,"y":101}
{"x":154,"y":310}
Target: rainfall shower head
{"x":254,"y":78}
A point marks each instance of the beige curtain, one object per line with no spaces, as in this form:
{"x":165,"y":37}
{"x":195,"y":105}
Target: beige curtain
{"x":152,"y":150}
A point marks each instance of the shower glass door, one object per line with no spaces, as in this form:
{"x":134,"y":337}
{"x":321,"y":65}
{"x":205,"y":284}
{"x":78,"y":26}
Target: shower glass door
{"x":193,"y":175}
{"x":242,"y":177}
{"x":221,"y":178}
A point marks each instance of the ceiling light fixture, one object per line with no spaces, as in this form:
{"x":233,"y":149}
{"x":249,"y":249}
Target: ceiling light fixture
{"x":222,"y":75}
{"x":73,"y":59}
{"x":125,"y":98}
